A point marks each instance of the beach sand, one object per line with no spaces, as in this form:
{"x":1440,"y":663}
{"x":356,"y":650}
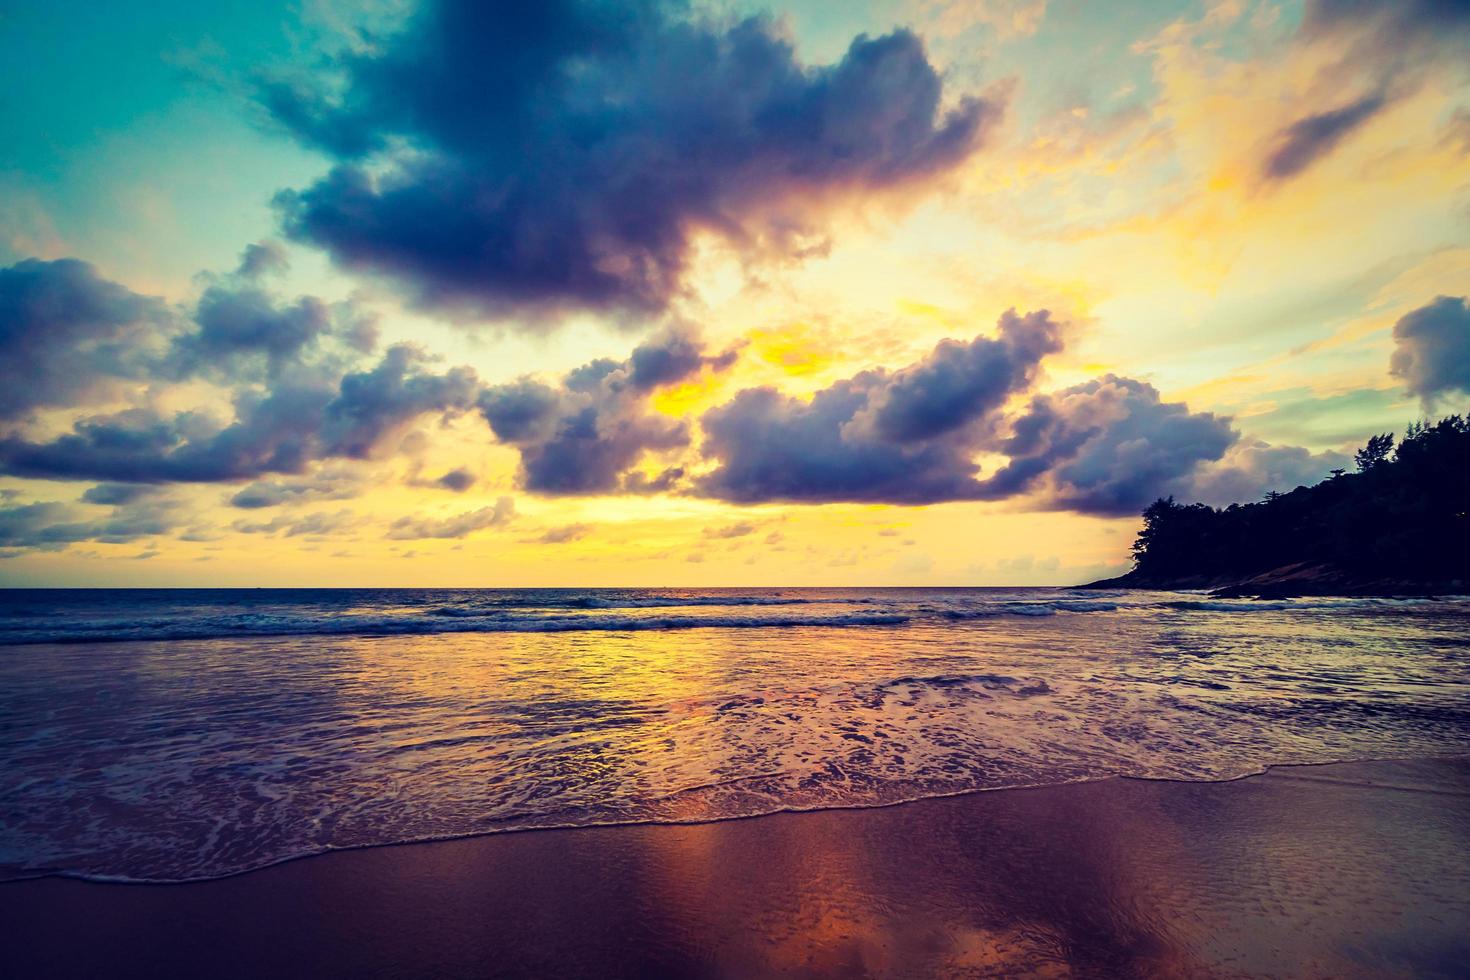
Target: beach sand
{"x":1358,"y":869}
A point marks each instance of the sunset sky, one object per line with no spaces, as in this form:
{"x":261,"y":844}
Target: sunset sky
{"x":382,"y":292}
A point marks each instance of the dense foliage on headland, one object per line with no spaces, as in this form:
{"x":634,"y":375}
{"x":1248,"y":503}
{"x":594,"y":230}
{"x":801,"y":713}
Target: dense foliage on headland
{"x":1399,"y":525}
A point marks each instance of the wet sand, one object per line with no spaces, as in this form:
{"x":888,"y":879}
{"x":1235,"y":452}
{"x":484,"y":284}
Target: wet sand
{"x":1353,"y":870}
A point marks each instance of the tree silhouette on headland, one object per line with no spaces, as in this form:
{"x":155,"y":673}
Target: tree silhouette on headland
{"x":1375,"y":453}
{"x":1403,"y":518}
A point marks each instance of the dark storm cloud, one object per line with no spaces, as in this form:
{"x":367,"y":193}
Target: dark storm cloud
{"x":897,"y":437}
{"x":1307,"y":140}
{"x":67,"y":335}
{"x":282,"y":429}
{"x":505,"y":156}
{"x":1432,"y":349}
{"x":585,"y":435}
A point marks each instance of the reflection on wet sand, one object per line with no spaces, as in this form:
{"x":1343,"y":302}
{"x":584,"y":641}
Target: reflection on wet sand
{"x":1351,"y":870}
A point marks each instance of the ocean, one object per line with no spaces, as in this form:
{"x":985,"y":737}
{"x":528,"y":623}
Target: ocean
{"x":172,"y":735}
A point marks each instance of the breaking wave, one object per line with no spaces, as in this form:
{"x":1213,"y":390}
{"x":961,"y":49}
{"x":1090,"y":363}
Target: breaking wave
{"x":77,"y":620}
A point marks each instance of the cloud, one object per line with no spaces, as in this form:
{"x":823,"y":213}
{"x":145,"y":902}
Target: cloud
{"x":71,"y":339}
{"x":319,"y":524}
{"x":23,"y":526}
{"x":303,"y":418}
{"x":561,"y":535}
{"x":374,"y":405}
{"x":739,"y":530}
{"x":671,"y":357}
{"x":117,"y":493}
{"x":585,"y":435}
{"x":959,"y":383}
{"x":914,"y":435}
{"x":1398,"y":44}
{"x":69,"y":336}
{"x":458,"y":480}
{"x":1397,"y":24}
{"x":1386,"y":50}
{"x":240,"y":321}
{"x":325,"y":484}
{"x":1109,"y":446}
{"x":260,"y":258}
{"x":1309,"y":139}
{"x":259,"y":495}
{"x":458,"y":526}
{"x":1249,"y":470}
{"x":500,"y":157}
{"x":908,"y":436}
{"x":302,"y":405}
{"x":1432,"y":349}
{"x":51,"y":526}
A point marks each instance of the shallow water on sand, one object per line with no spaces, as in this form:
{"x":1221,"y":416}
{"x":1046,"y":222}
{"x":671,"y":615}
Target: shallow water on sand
{"x":179,"y":735}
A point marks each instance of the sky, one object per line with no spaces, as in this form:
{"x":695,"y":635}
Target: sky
{"x":893,"y":292}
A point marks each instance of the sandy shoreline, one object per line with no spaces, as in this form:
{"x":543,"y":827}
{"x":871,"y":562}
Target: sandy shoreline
{"x":1358,"y":869}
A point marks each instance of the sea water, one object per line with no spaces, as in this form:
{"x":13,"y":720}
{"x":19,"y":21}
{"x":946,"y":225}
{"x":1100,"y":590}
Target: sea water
{"x":183,"y":734}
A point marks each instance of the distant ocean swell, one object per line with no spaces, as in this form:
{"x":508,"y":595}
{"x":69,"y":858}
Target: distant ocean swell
{"x":21,"y":624}
{"x":255,"y":626}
